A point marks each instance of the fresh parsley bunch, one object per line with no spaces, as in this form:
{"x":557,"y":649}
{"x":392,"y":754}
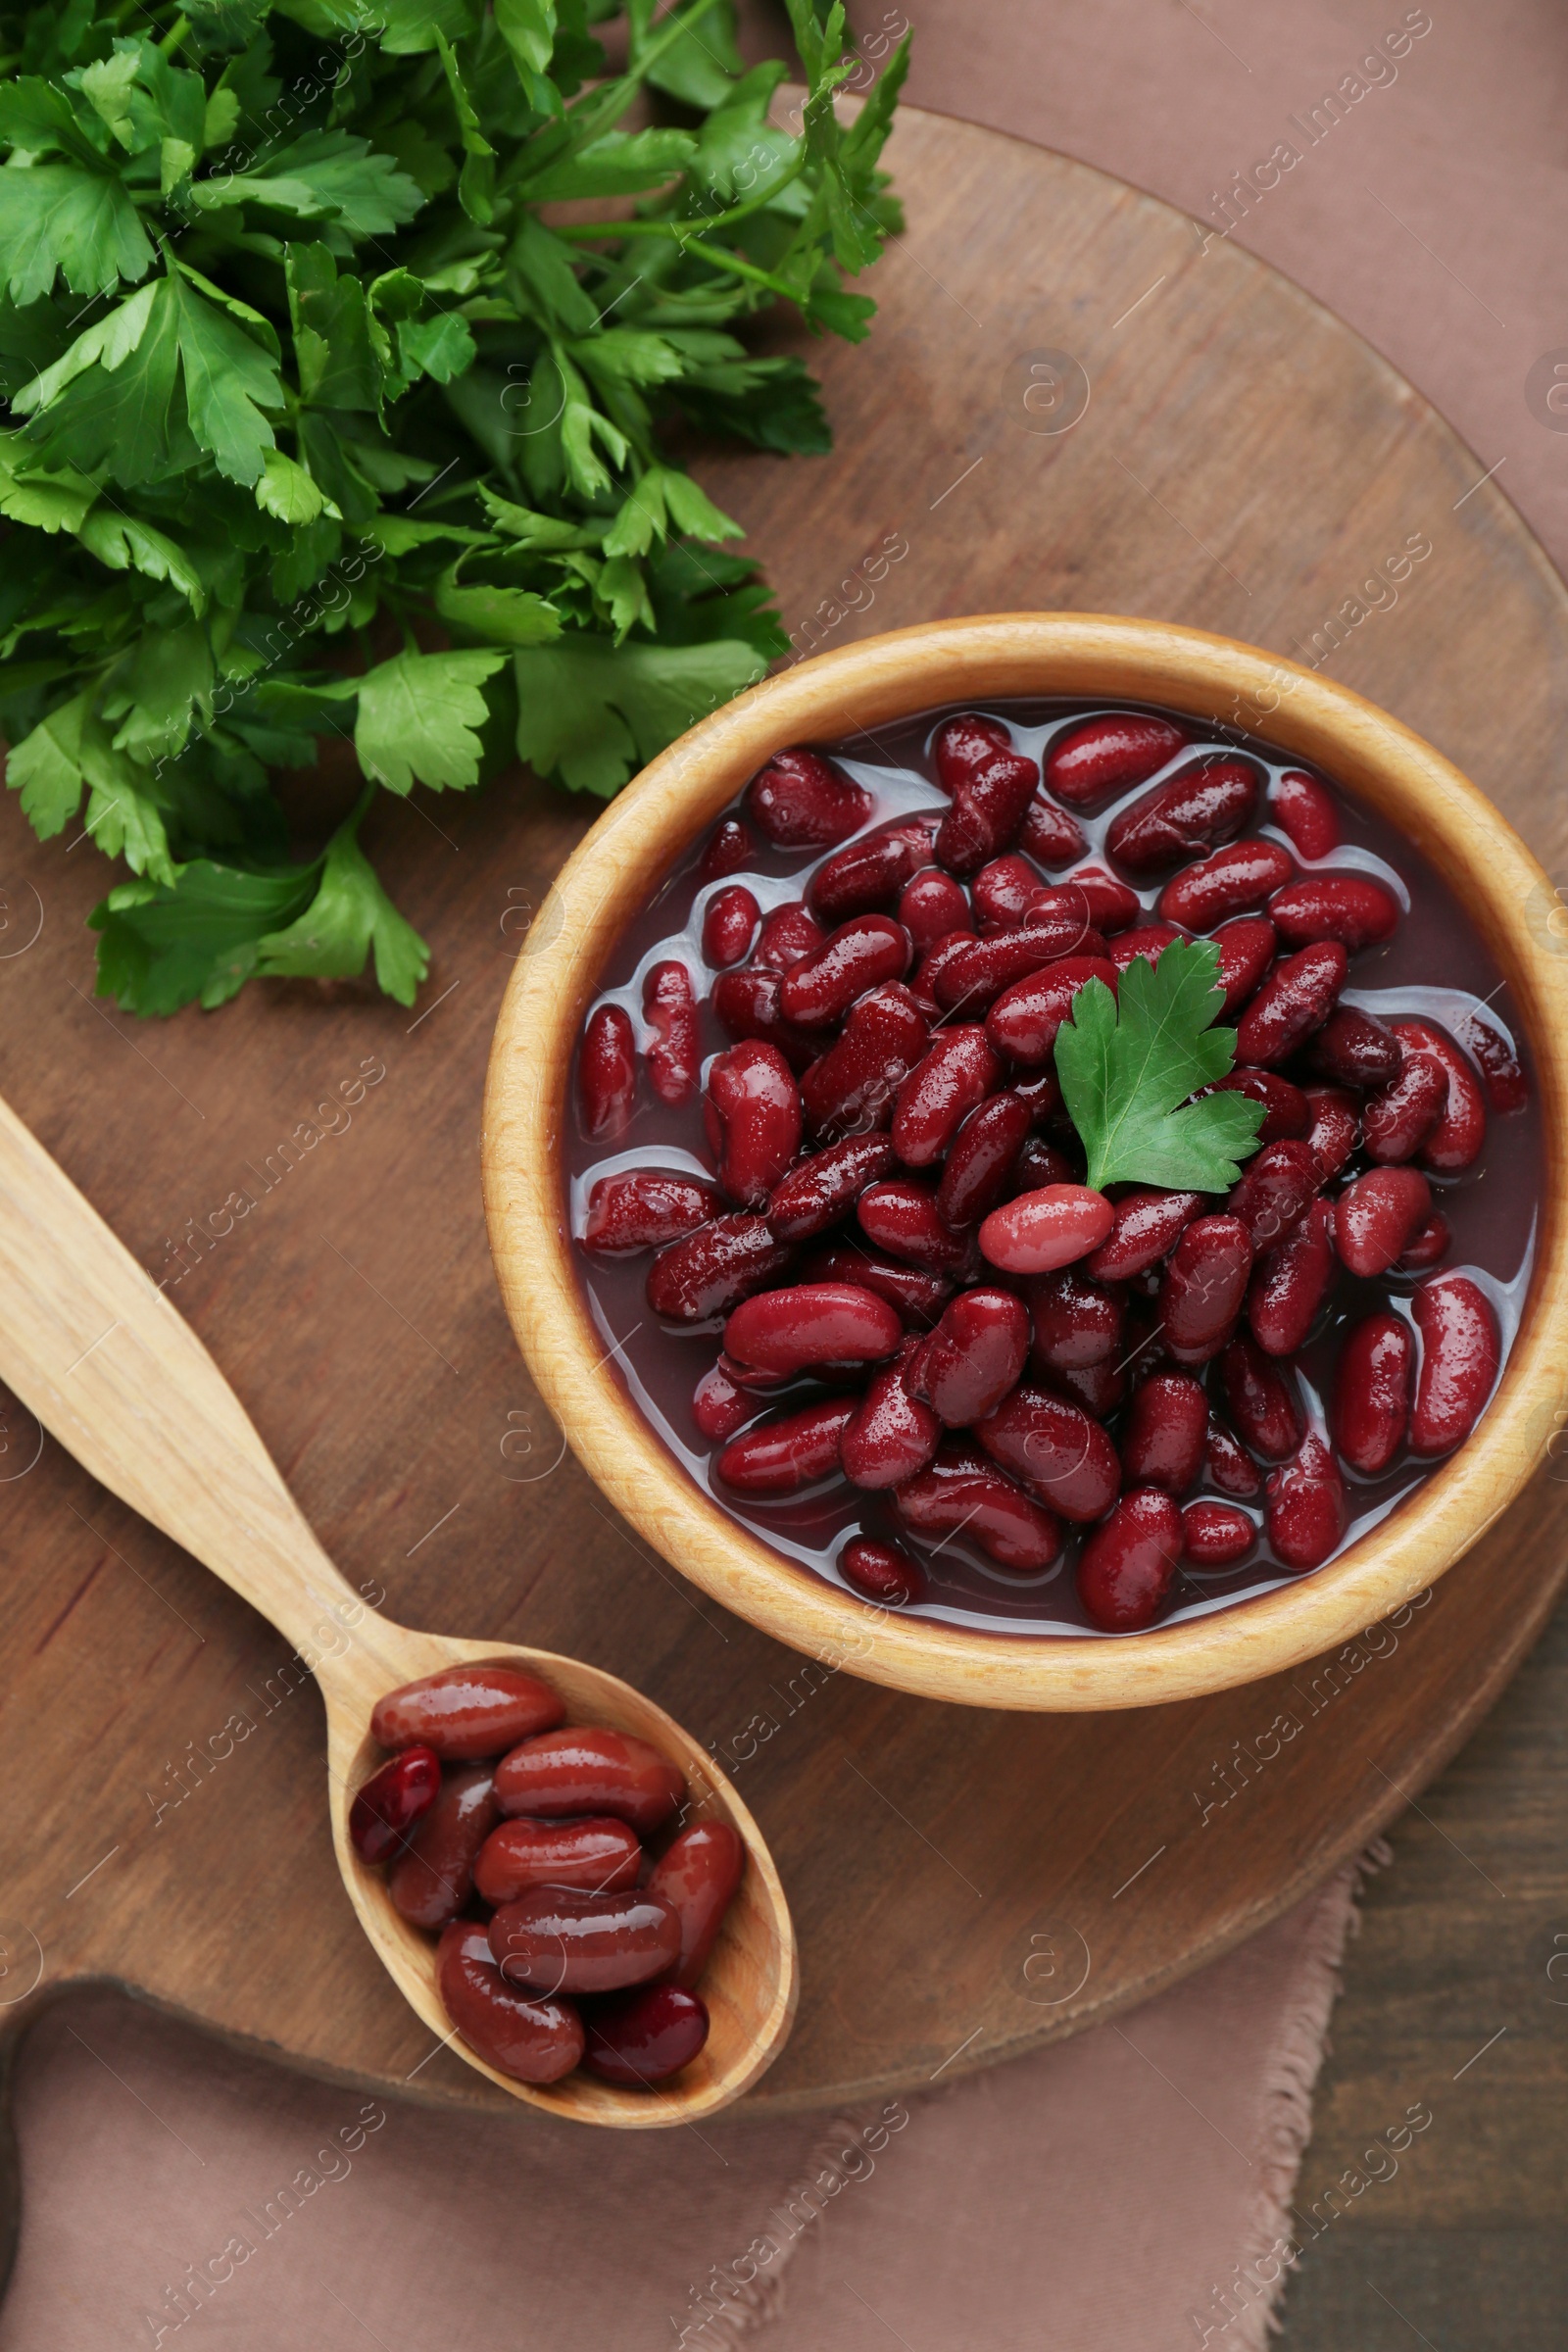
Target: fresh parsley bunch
{"x":341,"y":340}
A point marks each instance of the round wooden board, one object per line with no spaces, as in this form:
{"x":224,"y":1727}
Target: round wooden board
{"x":964,"y":1884}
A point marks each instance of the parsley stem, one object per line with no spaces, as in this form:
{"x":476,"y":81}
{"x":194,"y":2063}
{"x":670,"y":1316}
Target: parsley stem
{"x":588,"y":229}
{"x":175,"y":35}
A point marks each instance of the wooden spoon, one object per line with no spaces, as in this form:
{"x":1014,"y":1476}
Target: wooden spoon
{"x":106,"y":1364}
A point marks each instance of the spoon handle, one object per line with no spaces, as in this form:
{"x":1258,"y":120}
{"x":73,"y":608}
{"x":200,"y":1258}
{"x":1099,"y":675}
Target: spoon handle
{"x":98,"y":1355}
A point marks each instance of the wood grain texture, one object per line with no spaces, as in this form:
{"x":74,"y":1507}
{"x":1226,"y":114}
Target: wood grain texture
{"x":353,"y":1309}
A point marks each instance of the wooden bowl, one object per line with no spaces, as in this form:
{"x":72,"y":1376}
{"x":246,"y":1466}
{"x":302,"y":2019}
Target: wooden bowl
{"x":615,"y":871}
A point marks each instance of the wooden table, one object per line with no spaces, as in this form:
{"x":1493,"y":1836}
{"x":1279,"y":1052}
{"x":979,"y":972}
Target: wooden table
{"x":1244,"y":463}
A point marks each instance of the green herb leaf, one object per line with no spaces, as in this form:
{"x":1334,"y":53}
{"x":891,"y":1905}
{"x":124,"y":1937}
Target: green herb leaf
{"x":593,"y":713}
{"x":419,"y":718}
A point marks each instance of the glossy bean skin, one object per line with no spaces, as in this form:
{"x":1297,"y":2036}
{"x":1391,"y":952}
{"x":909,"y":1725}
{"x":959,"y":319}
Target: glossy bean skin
{"x":1023,"y":1022}
{"x":1304,"y":808}
{"x":1503,"y":1077}
{"x":1285,"y":1115}
{"x":973,"y":1358}
{"x":533,"y":2040}
{"x":729,"y":848}
{"x":1305,"y":1512}
{"x":1378,"y":1216}
{"x":892,"y":1434}
{"x":883,"y":1573}
{"x":1049,"y":835}
{"x":640,"y":2037}
{"x":644,"y":1212}
{"x":819,"y":990}
{"x":1055,"y":1449}
{"x":720,"y":1408}
{"x":982,"y":1157}
{"x":901,"y":1217}
{"x":1293,"y":1001}
{"x":1076,"y":1322}
{"x":1460,"y":1352}
{"x":1372,"y":1385}
{"x":1040,"y":1231}
{"x":1274,"y":1191}
{"x":601,"y":1856}
{"x":607,"y":1074}
{"x":992,"y":790}
{"x":1100,"y":1389}
{"x":729,"y":925}
{"x":867,"y":876}
{"x":714,"y":1269}
{"x":1353,"y":1048}
{"x":811,"y":1323}
{"x":1291,"y":1282}
{"x":1455,"y":1142}
{"x":467,"y":1712}
{"x":432,"y":1877}
{"x":565,"y":1939}
{"x":387,"y":1805}
{"x":798,"y":803}
{"x":974,"y":979}
{"x":1002,"y":892}
{"x":1146,"y":1228}
{"x":964,"y":744}
{"x":1246,"y":947}
{"x":1204,"y":1286}
{"x":1229,"y":1465}
{"x":1112,"y":906}
{"x":751,"y":1376}
{"x":1260,"y":1399}
{"x":1148,"y":940}
{"x":1233,"y":881}
{"x":950,"y":1080}
{"x":781,"y":1457}
{"x":1429,"y":1245}
{"x":1216,"y":1534}
{"x":789,"y":934}
{"x":1351,"y":908}
{"x":961,"y":1492}
{"x":696,"y":1875}
{"x":1399,"y":1118}
{"x":674,"y":1058}
{"x":918,"y":1295}
{"x":746,"y":1004}
{"x":931,"y":904}
{"x":1162,"y":1445}
{"x":1039,"y":1163}
{"x":1198,"y":808}
{"x":589,"y":1769}
{"x":1109,"y":754}
{"x":821,"y":1188}
{"x":752,"y":1118}
{"x":1335,"y":1127}
{"x":850,"y":1090}
{"x":1127,"y":1565}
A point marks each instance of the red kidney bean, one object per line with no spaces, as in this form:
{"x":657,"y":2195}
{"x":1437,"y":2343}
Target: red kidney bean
{"x":1205,"y":1285}
{"x":1100,"y":1389}
{"x":1024,"y":1020}
{"x":1145,"y":1230}
{"x":1305,"y":1513}
{"x":751,"y":1376}
{"x":1049,"y":834}
{"x":852,"y":1089}
{"x":1004,"y":892}
{"x":1227,"y":1463}
{"x":963,"y":1494}
{"x":973,"y":1358}
{"x":1291,"y":1282}
{"x":432,"y":1877}
{"x":962,"y":747}
{"x":1149,"y":940}
{"x":781,"y":1457}
{"x":819,"y":1190}
{"x":466,"y":1712}
{"x":884,"y":1573}
{"x":956,"y":1073}
{"x":1109,"y":754}
{"x":670,"y":1009}
{"x":602,"y":1856}
{"x":1295,"y":1000}
{"x":1246,"y":951}
{"x":1372,"y":1380}
{"x":565,"y":1939}
{"x":819,"y":990}
{"x":643,"y":1211}
{"x":729,"y":919}
{"x":1429,"y":1245}
{"x":1199,"y":806}
{"x":1063,"y":910}
{"x":752,"y":1115}
{"x":1262,"y":1402}
{"x":730,"y":848}
{"x":389,"y":1804}
{"x":720,"y":1405}
{"x":971,"y":980}
{"x":1455,"y":1142}
{"x":811,"y":1323}
{"x":1162,"y":1445}
{"x":798,"y":803}
{"x":869,"y":873}
{"x":1378,"y":1216}
{"x":1356,"y":1050}
{"x":607,"y":1074}
{"x":1040,"y":1163}
{"x":1286,"y":1116}
{"x":917,"y":1294}
{"x":714,"y":1269}
{"x":696,"y":1875}
{"x":1304,"y":808}
{"x":1216,"y":1534}
{"x":1233,"y":881}
{"x":1274,"y":1191}
{"x":533,"y":2040}
{"x":1460,"y":1352}
{"x":901,"y":1217}
{"x":892,"y":1434}
{"x":637,"y":2038}
{"x":1507,"y":1088}
{"x":747,"y":1006}
{"x":936,"y":961}
{"x":587,"y":1768}
{"x":1399,"y":1116}
{"x":1040,"y":1231}
{"x":1075,"y":1322}
{"x":789,"y":934}
{"x":1127,"y":1565}
{"x":1351,"y":908}
{"x":1112,"y":905}
{"x":982,"y":1157}
{"x":932,"y":905}
{"x":991,"y":786}
{"x":1055,"y":1449}
{"x":1335,"y":1129}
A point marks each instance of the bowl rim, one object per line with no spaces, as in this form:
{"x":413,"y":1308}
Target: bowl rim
{"x":824,"y":699}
